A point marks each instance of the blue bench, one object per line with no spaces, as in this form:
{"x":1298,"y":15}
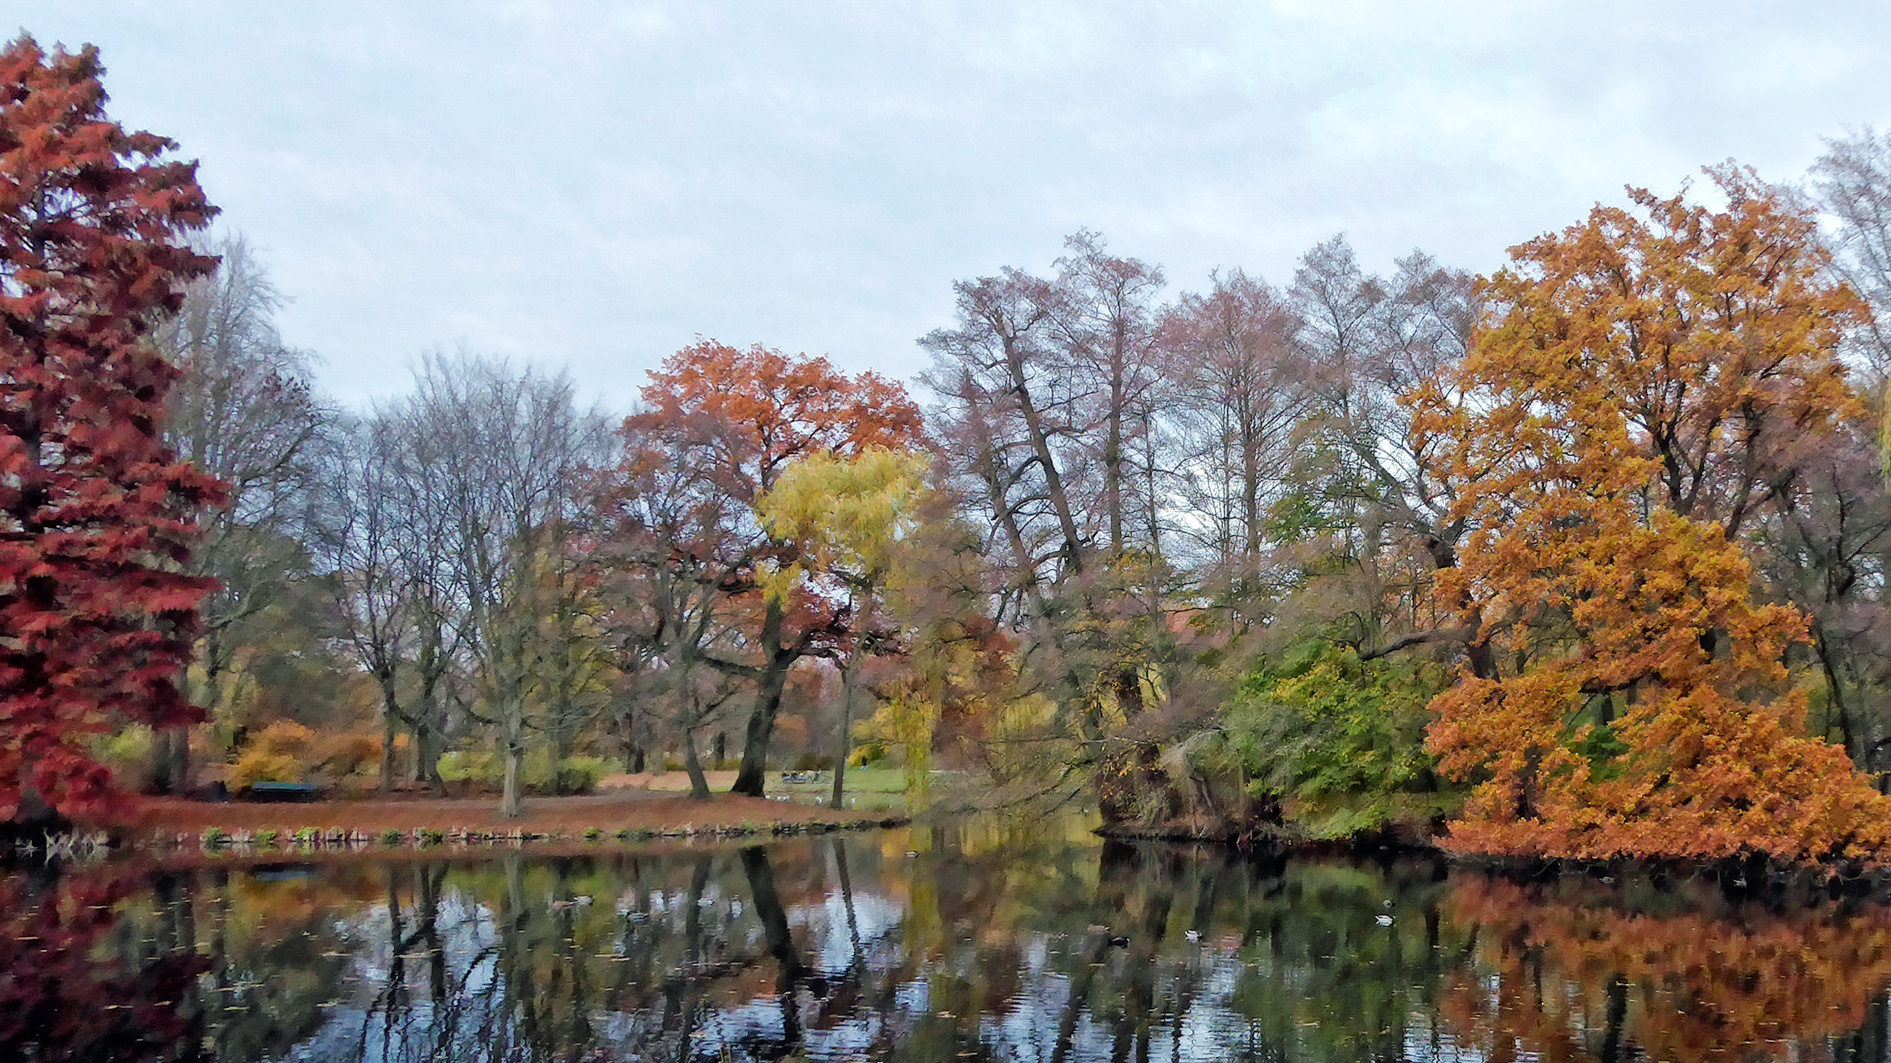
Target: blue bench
{"x":284,"y":792}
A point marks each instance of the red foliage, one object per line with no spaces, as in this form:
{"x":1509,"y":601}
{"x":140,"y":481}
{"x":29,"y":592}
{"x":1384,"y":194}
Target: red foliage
{"x":96,"y":514}
{"x":59,"y":1001}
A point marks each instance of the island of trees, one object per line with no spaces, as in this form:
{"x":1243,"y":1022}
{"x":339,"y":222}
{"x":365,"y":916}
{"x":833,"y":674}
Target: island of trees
{"x":1584,"y":558}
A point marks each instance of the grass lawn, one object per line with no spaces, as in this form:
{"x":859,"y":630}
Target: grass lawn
{"x":878,"y":789}
{"x":875,"y":789}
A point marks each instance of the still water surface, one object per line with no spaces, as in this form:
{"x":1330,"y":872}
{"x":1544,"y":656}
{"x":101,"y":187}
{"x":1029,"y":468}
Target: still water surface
{"x":973,"y":941}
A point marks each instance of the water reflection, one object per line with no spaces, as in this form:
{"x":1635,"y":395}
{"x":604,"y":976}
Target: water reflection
{"x":966,"y":943}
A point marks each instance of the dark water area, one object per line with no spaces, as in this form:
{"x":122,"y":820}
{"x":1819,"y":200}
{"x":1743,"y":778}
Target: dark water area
{"x":972,"y":941}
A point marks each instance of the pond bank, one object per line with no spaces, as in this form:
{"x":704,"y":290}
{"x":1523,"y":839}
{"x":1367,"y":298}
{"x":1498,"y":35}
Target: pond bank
{"x":163,"y":821}
{"x":1749,"y":875}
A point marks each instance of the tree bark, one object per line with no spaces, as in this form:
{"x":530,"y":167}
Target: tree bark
{"x":749,"y":779}
{"x":698,"y":782}
{"x":509,"y":803}
{"x":388,"y":734}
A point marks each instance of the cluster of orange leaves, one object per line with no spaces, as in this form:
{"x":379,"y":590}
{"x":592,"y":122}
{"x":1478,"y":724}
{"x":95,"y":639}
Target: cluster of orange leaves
{"x":1604,"y":443}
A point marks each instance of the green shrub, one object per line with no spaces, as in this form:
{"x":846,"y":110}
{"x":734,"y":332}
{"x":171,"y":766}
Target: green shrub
{"x":391,"y":837}
{"x":1338,"y":742}
{"x":266,"y":837}
{"x":580,"y":775}
{"x":592,"y":834}
{"x":472,"y":766}
{"x":577,"y":775}
{"x":130,"y":754}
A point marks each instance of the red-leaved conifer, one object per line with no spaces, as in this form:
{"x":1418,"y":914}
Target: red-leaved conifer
{"x":96,"y":515}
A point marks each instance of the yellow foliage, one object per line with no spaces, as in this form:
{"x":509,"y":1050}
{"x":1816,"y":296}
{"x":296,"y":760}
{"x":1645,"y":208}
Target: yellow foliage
{"x":260,"y":765}
{"x":848,"y":514}
{"x":350,"y":753}
{"x":282,"y":737}
{"x":906,"y":721}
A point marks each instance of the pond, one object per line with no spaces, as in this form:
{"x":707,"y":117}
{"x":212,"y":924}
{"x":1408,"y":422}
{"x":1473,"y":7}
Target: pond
{"x":970,"y":941}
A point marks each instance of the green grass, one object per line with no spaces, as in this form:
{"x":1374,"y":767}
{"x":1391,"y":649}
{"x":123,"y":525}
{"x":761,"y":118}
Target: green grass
{"x":879,"y":789}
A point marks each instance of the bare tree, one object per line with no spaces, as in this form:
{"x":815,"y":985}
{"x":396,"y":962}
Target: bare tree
{"x":1242,"y":391}
{"x":384,"y":536}
{"x":672,"y":546}
{"x":244,"y":411}
{"x":513,"y":450}
{"x":1852,"y":183}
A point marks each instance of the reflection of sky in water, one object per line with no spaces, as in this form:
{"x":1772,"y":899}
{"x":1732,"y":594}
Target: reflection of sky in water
{"x":991,"y":946}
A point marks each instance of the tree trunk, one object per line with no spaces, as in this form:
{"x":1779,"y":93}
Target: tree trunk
{"x":427,"y":759}
{"x":387,"y":752}
{"x":698,"y":783}
{"x":515,"y":756}
{"x":843,"y":743}
{"x":173,"y":760}
{"x":849,"y":677}
{"x":561,"y":750}
{"x":761,"y":726}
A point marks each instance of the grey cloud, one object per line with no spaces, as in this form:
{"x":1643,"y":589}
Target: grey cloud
{"x":595,"y":185}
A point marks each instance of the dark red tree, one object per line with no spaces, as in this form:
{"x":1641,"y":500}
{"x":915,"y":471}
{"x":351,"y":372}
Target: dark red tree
{"x":96,"y":515}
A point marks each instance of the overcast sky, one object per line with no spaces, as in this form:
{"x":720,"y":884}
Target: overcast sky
{"x":594,"y":185}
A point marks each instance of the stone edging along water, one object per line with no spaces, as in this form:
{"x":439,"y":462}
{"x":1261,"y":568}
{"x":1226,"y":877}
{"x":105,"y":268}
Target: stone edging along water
{"x":336,"y":839}
{"x":420,"y":838}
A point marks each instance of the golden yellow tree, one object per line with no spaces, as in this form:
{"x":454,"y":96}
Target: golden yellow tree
{"x":1632,"y":402}
{"x":846,"y":516}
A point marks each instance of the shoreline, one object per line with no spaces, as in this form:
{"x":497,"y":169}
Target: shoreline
{"x":1747,"y":876}
{"x":169,"y":823}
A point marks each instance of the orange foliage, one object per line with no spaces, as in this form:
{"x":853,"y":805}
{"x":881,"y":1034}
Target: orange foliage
{"x":779,"y":408}
{"x":1616,"y":424}
{"x":1685,"y":986}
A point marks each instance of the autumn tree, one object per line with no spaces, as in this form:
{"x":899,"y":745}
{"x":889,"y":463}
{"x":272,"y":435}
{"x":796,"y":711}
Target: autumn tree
{"x":1852,"y":182}
{"x":1242,"y":394}
{"x":1051,"y":387}
{"x":1610,"y":437}
{"x":99,"y":514}
{"x":1363,"y":518}
{"x":847,"y":518}
{"x":762,"y":410}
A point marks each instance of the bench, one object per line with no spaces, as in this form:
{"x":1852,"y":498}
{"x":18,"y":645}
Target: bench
{"x":283,"y":792}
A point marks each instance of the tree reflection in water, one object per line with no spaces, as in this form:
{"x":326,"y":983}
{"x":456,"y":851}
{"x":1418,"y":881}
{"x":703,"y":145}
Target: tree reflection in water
{"x":989,"y":943}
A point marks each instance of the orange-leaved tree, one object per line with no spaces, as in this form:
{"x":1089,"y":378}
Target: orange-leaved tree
{"x":1633,"y":401}
{"x":748,"y":414}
